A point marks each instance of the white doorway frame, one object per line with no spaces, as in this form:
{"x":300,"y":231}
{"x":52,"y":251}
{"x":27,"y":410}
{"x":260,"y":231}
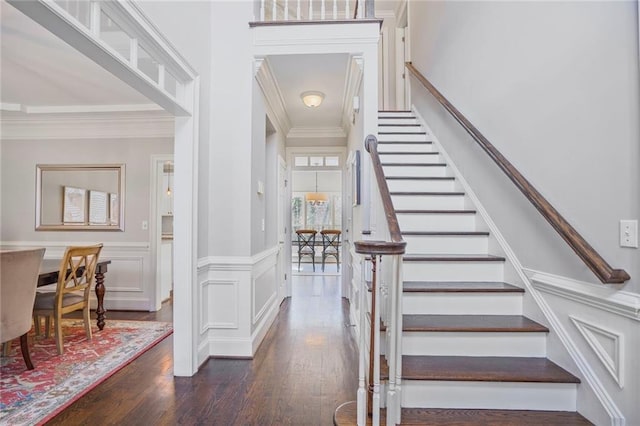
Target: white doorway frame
{"x":155,"y":224}
{"x":291,"y":153}
{"x":284,"y":231}
{"x":184,"y":106}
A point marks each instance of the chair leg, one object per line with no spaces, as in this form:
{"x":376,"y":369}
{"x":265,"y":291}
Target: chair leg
{"x":87,"y":322}
{"x":338,"y":260}
{"x":323,"y":257}
{"x":36,"y":325}
{"x":299,"y":257}
{"x":313,"y":260}
{"x":47,"y":326}
{"x":24,"y":346}
{"x":6,"y":347}
{"x":59,"y":342}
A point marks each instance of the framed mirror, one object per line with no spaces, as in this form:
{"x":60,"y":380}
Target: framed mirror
{"x":88,"y":197}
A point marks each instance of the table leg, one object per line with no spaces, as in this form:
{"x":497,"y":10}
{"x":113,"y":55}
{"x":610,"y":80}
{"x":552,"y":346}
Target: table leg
{"x":100,"y":294}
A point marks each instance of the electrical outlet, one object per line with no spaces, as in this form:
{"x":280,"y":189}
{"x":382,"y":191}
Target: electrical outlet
{"x":145,"y":225}
{"x":629,"y":233}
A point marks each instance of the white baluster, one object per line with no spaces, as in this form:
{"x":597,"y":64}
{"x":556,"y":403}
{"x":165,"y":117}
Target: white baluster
{"x":298,"y":11}
{"x":360,"y":9}
{"x":347,"y":13}
{"x":392,"y":339}
{"x":322,"y":9}
{"x":286,"y":10}
{"x":274,"y":11}
{"x":262,"y":10}
{"x":362,"y":392}
{"x":310,"y":10}
{"x":375,"y":420}
{"x":399,"y":279}
{"x":94,"y":18}
{"x":335,"y":9}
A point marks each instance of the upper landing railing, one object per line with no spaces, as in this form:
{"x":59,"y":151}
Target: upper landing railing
{"x":315,"y":10}
{"x":580,"y":246}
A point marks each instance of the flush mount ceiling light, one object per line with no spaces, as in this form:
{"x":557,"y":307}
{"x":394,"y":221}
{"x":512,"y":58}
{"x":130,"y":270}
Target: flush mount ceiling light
{"x":312,"y":99}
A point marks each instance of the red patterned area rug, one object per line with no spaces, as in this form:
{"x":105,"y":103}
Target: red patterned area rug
{"x":33,"y":397}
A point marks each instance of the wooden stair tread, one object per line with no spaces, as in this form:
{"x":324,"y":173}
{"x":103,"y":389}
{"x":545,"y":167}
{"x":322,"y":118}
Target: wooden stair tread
{"x":471,"y":323}
{"x":346,"y":415}
{"x":414,"y":164}
{"x":447,"y":233}
{"x":459,"y":287}
{"x":435,"y":212}
{"x":481,"y":369}
{"x":398,"y":125}
{"x":404,"y":143}
{"x":419,"y":178}
{"x":409,"y":153}
{"x":452,"y":258}
{"x":453,"y":193}
{"x":402,"y":133}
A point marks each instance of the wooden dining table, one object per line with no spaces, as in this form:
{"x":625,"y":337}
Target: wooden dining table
{"x":49,"y":271}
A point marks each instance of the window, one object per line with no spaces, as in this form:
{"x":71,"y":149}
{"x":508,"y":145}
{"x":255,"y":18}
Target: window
{"x":318,"y":216}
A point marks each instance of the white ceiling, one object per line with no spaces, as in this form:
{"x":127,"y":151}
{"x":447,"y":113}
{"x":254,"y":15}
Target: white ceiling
{"x":39,"y":71}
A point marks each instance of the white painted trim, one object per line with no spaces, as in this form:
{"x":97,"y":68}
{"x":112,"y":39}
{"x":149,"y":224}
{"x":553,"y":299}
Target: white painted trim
{"x":205,"y":326}
{"x":120,"y":125}
{"x":155,"y":225}
{"x":79,"y":109}
{"x":235,"y":347}
{"x":316,"y":132}
{"x":614,"y":363}
{"x":272,"y":94}
{"x":616,"y":416}
{"x":234,"y":263}
{"x":606,"y":298}
{"x":351,"y":89}
{"x":261,"y":330}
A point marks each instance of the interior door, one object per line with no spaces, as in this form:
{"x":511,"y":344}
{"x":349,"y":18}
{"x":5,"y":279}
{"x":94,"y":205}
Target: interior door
{"x":284,"y":252}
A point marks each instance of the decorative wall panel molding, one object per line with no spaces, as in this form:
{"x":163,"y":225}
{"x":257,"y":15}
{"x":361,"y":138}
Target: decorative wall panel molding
{"x":606,"y":344}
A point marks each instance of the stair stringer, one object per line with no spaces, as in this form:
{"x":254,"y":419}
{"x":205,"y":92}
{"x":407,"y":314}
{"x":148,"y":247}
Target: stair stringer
{"x":534,"y":305}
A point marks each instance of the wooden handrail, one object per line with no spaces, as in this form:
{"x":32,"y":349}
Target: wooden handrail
{"x":580,"y":246}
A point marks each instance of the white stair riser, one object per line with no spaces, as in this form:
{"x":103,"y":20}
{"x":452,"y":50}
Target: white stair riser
{"x":447,"y":244}
{"x":414,"y":127}
{"x":474,"y":344}
{"x":489,"y":395}
{"x":462,"y":303}
{"x":453,"y":271}
{"x":436,"y":222}
{"x":405,"y":147}
{"x":403,"y":137}
{"x":428,"y":202}
{"x":437,"y":185}
{"x":431,"y":158}
{"x":395,"y":120}
{"x":415,"y":171}
{"x":394,"y":114}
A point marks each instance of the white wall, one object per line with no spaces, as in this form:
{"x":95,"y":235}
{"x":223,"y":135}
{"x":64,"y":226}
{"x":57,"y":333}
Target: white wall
{"x":554,"y":86}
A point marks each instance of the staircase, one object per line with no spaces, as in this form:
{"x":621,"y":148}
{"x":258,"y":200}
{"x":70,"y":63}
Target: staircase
{"x":469,"y":357}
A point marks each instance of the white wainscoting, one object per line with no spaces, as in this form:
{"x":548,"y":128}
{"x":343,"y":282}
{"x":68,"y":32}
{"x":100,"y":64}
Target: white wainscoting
{"x":237,"y":303}
{"x":128,"y":281}
{"x":600,"y":326}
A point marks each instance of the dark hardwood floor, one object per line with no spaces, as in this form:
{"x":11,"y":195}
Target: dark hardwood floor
{"x":304,"y":369}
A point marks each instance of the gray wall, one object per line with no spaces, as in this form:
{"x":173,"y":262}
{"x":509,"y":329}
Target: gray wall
{"x":18,"y":184}
{"x":554,"y":85}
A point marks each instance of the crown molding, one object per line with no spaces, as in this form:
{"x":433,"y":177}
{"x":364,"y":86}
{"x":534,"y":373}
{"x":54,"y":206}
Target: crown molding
{"x":272,"y":94}
{"x":77,"y":109}
{"x":317,"y":132}
{"x":118,"y":125}
{"x":351,"y":89}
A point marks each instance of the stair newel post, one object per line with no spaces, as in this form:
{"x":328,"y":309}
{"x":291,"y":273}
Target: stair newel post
{"x":373,"y":403}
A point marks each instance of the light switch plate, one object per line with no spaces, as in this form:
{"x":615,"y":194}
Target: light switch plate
{"x":629,"y":233}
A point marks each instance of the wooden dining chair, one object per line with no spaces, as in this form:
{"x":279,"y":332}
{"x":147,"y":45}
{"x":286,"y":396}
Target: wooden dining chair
{"x":19,"y":271}
{"x":330,"y":245}
{"x":75,"y":279}
{"x":306,"y":245}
